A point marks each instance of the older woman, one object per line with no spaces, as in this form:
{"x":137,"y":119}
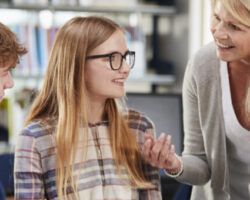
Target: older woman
{"x":216,"y":97}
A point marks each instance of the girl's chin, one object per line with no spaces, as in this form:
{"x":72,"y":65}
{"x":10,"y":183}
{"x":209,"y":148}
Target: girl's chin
{"x":119,"y":95}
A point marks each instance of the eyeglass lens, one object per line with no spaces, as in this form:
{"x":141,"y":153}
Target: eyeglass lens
{"x":116,"y":60}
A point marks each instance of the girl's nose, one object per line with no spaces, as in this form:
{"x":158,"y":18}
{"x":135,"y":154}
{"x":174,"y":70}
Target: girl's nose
{"x":125,"y":68}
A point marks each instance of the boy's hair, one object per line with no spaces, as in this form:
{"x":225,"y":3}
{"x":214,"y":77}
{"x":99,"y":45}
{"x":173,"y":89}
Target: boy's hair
{"x":10,"y":48}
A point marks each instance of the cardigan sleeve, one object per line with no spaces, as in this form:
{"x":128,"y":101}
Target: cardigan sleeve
{"x":195,"y":166}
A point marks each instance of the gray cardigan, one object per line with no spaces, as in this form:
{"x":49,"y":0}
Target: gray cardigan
{"x":204,"y":156}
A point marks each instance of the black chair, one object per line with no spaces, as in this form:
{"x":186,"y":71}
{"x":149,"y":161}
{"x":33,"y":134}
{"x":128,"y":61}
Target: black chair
{"x":4,"y":134}
{"x":6,"y":173}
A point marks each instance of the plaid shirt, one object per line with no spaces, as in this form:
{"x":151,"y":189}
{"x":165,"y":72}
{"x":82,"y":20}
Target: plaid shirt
{"x":35,"y":161}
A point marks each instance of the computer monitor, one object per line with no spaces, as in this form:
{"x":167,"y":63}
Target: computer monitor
{"x":165,"y":110}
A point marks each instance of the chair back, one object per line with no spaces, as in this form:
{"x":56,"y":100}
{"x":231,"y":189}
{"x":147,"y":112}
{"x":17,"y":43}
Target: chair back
{"x":183,"y":192}
{"x":6,"y":172}
{"x":2,"y":193}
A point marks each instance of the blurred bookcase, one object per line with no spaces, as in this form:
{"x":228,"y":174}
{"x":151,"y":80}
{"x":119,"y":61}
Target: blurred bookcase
{"x":36,"y":24}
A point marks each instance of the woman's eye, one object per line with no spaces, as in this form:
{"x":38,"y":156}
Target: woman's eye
{"x":234,"y":27}
{"x":216,"y":18}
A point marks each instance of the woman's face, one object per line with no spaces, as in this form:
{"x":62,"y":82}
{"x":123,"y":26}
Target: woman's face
{"x":101,"y":81}
{"x":231,"y":37}
{"x":5,"y":79}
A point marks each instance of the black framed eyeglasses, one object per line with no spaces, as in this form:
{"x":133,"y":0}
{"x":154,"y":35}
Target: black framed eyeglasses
{"x":116,"y":59}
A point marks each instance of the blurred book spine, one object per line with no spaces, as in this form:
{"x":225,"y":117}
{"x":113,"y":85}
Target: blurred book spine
{"x":39,"y":42}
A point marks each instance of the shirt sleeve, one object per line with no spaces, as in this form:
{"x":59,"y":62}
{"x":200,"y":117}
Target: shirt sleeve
{"x":140,"y":124}
{"x":28,"y":176}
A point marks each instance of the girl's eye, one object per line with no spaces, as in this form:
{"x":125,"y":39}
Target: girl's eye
{"x":112,"y":58}
{"x":106,"y":59}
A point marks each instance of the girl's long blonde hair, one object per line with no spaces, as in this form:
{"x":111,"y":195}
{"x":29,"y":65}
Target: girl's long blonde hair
{"x":63,"y":97}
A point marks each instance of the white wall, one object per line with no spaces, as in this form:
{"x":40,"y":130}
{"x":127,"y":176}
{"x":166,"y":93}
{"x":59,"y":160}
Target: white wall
{"x":199,"y":20}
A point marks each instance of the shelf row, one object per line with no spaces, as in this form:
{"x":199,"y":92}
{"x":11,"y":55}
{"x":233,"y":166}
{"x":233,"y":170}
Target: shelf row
{"x":157,"y":79}
{"x":144,"y":9}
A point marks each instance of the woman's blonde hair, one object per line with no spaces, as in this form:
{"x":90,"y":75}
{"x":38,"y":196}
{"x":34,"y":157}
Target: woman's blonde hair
{"x":63,"y":96}
{"x":239,"y":9}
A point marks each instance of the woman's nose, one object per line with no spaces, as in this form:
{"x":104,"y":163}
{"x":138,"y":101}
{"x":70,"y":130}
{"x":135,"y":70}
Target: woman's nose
{"x":220,"y":32}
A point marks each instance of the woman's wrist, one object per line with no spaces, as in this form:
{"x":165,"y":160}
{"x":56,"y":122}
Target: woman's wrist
{"x":175,"y":172}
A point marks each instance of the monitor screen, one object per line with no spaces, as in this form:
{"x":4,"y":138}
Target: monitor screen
{"x":165,"y":110}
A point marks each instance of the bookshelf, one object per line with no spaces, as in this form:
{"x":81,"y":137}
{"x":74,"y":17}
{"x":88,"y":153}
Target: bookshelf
{"x":37,"y":37}
{"x":143,"y":9}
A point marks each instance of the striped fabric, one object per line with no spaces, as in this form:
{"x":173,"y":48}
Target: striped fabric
{"x":97,"y":177}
